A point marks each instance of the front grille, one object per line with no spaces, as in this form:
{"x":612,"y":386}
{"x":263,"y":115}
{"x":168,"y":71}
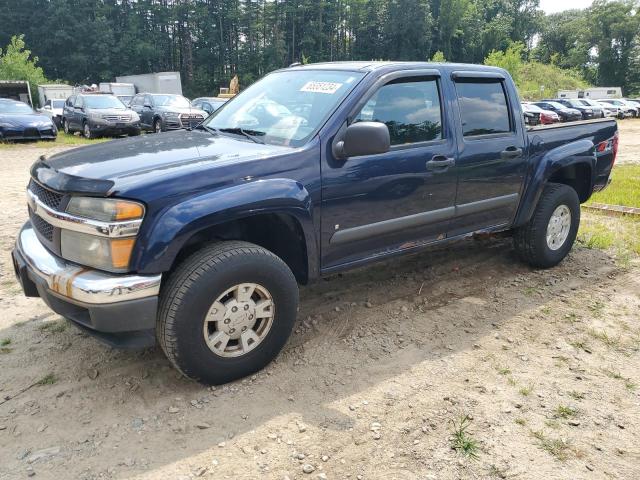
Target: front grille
{"x":43,"y":227}
{"x":31,"y":132}
{"x":190,"y":120}
{"x":50,"y":198}
{"x":116,"y":118}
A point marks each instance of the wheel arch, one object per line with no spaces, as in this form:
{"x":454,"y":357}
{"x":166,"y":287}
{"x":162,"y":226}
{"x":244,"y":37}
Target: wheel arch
{"x":572,"y":164}
{"x":276,"y":214}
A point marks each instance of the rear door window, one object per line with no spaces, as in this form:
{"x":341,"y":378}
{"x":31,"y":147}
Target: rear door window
{"x":483,"y":108}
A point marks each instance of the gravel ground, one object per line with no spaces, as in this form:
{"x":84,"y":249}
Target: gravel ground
{"x":385,"y":365}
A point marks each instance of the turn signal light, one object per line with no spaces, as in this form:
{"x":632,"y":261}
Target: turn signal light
{"x":121,"y":252}
{"x":128,"y":211}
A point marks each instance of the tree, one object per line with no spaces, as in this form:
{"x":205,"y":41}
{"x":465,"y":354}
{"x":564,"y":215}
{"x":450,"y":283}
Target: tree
{"x":510,"y":59}
{"x":16,"y":63}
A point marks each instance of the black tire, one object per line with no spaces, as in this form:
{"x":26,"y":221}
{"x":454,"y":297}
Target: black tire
{"x":192,"y":289}
{"x":530,"y":240}
{"x":157,"y":126}
{"x":134,"y":132}
{"x":86,"y":131}
{"x":66,"y":127}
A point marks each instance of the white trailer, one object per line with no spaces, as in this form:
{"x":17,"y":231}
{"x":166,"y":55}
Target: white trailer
{"x":16,"y":90}
{"x":118,"y":89}
{"x":161,"y":82}
{"x":53,"y":92}
{"x":595,"y":92}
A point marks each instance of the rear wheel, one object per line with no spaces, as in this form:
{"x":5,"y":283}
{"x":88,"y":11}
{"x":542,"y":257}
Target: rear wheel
{"x":226,"y":312}
{"x":552,"y":230}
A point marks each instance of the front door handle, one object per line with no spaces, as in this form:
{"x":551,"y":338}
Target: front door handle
{"x":439,"y":162}
{"x":511,"y":152}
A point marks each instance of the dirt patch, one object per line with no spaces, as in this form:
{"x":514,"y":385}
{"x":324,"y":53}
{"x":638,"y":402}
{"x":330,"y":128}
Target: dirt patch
{"x":384,"y":367}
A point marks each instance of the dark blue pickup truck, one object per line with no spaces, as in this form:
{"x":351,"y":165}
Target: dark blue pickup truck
{"x":198,"y":239}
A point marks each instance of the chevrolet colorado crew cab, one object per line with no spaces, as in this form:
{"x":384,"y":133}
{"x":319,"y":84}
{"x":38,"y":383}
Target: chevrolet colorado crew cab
{"x":197,"y":239}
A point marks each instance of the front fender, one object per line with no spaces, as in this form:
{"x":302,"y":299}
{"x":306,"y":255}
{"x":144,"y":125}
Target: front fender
{"x":161,"y":240}
{"x":579,"y":152}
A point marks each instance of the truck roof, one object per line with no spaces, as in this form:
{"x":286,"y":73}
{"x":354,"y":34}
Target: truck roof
{"x":393,"y":66}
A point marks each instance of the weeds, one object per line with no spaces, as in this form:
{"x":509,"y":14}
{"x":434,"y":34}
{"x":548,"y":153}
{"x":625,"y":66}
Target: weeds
{"x":558,"y":448}
{"x":562,"y":411}
{"x":4,"y":342}
{"x":604,"y":337}
{"x":526,"y":390}
{"x":53,"y":327}
{"x":504,"y":370}
{"x":462,"y":441}
{"x":48,"y":379}
{"x":520,"y":421}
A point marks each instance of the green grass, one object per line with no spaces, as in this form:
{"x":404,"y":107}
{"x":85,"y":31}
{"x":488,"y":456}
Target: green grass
{"x":624,"y":188}
{"x":619,"y":234}
{"x":4,"y":342}
{"x":62,"y":140}
{"x":462,"y":442}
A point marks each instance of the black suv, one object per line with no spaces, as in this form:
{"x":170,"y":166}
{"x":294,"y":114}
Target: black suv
{"x":161,"y":111}
{"x":588,"y":112}
{"x":96,"y":114}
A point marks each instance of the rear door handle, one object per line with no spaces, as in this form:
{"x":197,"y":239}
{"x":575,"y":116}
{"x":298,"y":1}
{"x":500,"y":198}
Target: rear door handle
{"x":439,"y":162}
{"x":511,"y":152}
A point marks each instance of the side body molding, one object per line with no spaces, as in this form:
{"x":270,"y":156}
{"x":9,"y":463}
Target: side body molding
{"x":161,"y":241}
{"x":579,"y":152}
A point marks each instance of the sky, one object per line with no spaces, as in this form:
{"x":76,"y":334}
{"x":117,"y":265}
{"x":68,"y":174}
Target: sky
{"x":553,"y":6}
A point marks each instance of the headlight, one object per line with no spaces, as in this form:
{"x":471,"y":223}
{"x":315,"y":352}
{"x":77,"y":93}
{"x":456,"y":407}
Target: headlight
{"x":170,"y":114}
{"x":135,"y":117}
{"x":105,"y":209}
{"x":105,"y":253}
{"x":111,"y":254}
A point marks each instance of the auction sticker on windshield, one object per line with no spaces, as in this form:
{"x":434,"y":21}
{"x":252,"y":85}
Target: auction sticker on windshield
{"x":321,"y":87}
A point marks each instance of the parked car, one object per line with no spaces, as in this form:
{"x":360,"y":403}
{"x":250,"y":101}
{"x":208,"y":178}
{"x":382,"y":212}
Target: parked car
{"x":607,"y":110}
{"x":161,"y":112}
{"x":588,"y":111}
{"x":209,"y":104}
{"x":96,"y":114}
{"x":199,"y":238}
{"x":624,"y":109}
{"x":53,"y":109}
{"x":18,"y":121}
{"x":566,"y":114}
{"x":547,"y":117}
{"x":633,"y":103}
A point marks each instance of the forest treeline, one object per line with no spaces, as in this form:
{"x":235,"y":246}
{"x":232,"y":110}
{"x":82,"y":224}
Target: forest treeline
{"x":208,"y":41}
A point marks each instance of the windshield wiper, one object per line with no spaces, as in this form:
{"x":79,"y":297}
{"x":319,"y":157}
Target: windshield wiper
{"x":250,"y":134}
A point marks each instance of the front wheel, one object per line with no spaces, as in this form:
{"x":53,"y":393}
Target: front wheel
{"x":157,"y":125}
{"x":86,"y":131}
{"x":226,"y":312}
{"x":552,"y":230}
{"x":65,"y":126}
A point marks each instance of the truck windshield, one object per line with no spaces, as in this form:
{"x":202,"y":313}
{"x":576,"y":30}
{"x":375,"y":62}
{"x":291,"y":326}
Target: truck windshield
{"x":287,"y":107}
{"x":103,"y":101}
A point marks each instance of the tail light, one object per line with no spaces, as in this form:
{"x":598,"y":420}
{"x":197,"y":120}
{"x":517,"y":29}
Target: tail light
{"x":611,"y":144}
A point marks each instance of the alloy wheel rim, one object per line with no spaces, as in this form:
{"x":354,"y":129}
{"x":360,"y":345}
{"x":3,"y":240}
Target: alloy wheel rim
{"x":239,"y":320}
{"x":66,"y":127}
{"x":87,"y":131}
{"x":558,"y":227}
{"x":158,"y":127}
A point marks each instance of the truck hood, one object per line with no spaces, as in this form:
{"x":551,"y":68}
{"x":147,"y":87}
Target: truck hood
{"x":108,"y":167}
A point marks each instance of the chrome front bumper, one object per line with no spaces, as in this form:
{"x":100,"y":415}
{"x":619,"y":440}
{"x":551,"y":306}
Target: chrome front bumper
{"x":80,"y":284}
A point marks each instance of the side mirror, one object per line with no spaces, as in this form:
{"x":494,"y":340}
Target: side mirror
{"x":363,"y":138}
